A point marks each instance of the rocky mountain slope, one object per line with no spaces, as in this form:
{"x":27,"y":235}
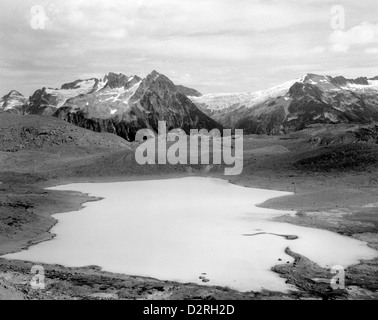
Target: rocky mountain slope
{"x":34,"y":132}
{"x":119,"y":104}
{"x":296,"y":104}
{"x":126,"y":105}
{"x":13,"y":102}
{"x":47,"y":100}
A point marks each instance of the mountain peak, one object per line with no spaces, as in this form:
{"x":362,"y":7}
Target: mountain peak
{"x":311,"y":75}
{"x":155,"y":76}
{"x":13,"y":102}
{"x":313,"y":78}
{"x":13,"y":93}
{"x":154,"y":73}
{"x":115,"y":80}
{"x":114,"y":74}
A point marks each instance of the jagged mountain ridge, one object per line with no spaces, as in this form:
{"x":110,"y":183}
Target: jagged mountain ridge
{"x":120,"y":104}
{"x":296,"y":104}
{"x":123,"y":104}
{"x":46,"y":101}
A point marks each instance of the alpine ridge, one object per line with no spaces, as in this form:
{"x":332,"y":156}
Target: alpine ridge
{"x":296,"y":104}
{"x":117,"y":104}
{"x":122,"y":105}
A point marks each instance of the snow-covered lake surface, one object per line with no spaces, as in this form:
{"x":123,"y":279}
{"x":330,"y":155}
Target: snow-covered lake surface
{"x":181,"y":229}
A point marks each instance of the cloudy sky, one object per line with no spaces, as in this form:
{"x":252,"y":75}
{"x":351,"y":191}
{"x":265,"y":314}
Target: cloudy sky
{"x":211,"y":45}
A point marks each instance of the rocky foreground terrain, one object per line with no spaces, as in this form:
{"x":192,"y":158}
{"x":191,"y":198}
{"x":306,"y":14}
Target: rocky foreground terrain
{"x":332,"y":168}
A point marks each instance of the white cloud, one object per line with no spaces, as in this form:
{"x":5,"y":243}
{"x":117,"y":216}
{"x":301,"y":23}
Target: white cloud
{"x":225,"y":45}
{"x":361,"y":35}
{"x":317,"y":50}
{"x":186,"y":17}
{"x":371,"y":51}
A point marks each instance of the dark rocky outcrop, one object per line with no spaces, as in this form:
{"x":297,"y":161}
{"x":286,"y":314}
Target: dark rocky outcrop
{"x":341,"y":81}
{"x":122,"y":126}
{"x":41,"y":103}
{"x":116,"y":80}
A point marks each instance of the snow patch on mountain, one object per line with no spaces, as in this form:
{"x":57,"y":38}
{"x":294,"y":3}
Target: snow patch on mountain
{"x":118,"y":95}
{"x":274,"y":92}
{"x":295,"y":104}
{"x":13,"y":101}
{"x":101,"y":85}
{"x":222,"y":101}
{"x":373,"y":85}
{"x":83,"y":87}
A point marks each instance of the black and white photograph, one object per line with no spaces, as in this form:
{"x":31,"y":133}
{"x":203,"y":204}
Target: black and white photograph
{"x":198,"y":151}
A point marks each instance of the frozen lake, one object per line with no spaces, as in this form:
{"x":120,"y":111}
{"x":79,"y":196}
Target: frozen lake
{"x":181,"y":229}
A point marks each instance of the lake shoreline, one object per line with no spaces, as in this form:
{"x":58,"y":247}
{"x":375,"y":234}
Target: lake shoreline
{"x":79,"y":200}
{"x":180,"y":247}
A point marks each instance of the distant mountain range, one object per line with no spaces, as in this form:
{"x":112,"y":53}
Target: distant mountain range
{"x":296,"y":104}
{"x":122,"y":105}
{"x":117,"y":104}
